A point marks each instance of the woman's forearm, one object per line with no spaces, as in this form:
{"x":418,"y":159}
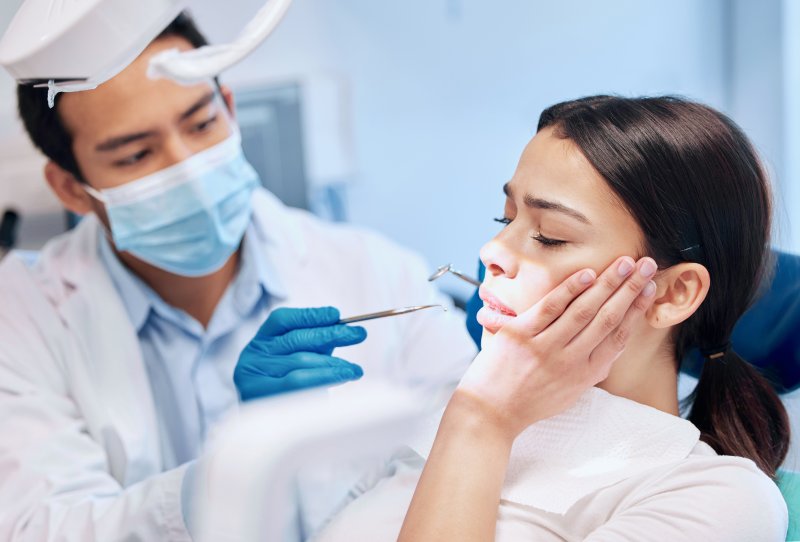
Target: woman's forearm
{"x":458,"y":494}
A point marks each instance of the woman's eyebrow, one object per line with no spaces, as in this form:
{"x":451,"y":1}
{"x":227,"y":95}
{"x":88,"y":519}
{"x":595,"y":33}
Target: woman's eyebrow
{"x":538,"y":203}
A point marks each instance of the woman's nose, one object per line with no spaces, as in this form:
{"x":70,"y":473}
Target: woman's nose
{"x":498,"y":259}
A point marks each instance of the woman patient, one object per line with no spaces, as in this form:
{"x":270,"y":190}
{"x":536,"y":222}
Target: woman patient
{"x":635,"y":229}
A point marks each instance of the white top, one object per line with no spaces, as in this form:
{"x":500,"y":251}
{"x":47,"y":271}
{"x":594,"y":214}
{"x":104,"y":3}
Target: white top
{"x":639,"y":493}
{"x":597,"y":442}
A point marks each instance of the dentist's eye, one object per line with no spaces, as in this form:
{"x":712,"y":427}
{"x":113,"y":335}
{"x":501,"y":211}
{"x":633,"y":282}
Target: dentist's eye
{"x":548,"y":242}
{"x":205,"y":125}
{"x":504,"y":221}
{"x":133,"y":159}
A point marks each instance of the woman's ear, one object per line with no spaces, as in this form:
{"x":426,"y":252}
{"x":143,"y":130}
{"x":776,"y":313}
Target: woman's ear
{"x":68,"y":189}
{"x":680,"y":290}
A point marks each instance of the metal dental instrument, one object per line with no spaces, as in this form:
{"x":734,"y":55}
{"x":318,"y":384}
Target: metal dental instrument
{"x":384,"y":314}
{"x":443,"y":270}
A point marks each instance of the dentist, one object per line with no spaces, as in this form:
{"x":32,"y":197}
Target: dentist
{"x":118,"y":350}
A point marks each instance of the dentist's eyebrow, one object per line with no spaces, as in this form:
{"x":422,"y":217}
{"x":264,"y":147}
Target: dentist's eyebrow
{"x":198,"y":105}
{"x":116,"y":142}
{"x":545,"y":205}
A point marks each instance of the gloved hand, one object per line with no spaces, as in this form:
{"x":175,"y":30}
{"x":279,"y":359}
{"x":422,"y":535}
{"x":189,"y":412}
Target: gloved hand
{"x":292,"y":351}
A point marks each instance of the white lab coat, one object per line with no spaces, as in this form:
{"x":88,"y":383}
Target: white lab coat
{"x":79,"y":442}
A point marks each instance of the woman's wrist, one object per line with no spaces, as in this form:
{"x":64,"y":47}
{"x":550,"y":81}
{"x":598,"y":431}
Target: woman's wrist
{"x":459,"y":491}
{"x":474,"y":419}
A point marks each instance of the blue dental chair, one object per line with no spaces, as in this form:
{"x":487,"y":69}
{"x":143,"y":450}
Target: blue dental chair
{"x":768,"y":336}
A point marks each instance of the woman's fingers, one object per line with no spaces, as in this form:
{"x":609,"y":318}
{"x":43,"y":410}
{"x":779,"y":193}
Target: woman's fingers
{"x":610,"y":348}
{"x":611,"y":314}
{"x":586,"y":308}
{"x":552,"y":306}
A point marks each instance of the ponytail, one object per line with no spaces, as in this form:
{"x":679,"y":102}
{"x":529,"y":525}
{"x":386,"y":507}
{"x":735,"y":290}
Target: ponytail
{"x":738,"y":412}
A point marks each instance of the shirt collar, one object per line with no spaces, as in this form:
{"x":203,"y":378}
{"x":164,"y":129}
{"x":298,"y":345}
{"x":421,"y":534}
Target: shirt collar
{"x":135,"y":294}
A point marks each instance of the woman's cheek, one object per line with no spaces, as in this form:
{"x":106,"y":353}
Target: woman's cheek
{"x":535,"y":282}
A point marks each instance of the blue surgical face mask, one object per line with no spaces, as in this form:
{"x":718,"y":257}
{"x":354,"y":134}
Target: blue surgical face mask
{"x":189,"y":218}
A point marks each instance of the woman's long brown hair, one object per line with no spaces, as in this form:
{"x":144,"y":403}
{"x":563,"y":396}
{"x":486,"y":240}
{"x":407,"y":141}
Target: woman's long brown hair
{"x":693,"y":182}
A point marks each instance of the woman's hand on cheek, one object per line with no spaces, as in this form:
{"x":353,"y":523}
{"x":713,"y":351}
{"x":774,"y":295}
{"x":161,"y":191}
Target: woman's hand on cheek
{"x":538,"y":364}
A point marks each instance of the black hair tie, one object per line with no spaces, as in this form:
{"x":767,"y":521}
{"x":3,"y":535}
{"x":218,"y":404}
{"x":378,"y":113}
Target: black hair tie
{"x":716,"y":352}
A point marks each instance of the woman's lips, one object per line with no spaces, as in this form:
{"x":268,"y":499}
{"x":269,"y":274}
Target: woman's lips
{"x":494,"y":314}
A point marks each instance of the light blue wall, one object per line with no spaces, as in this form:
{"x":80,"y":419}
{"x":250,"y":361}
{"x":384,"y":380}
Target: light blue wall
{"x":446,"y":93}
{"x":763,"y":59}
{"x":790,"y":195}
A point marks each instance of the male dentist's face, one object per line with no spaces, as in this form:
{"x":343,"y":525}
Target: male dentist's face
{"x":132,"y":126}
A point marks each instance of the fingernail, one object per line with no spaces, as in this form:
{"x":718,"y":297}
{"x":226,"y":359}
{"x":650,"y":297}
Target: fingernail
{"x":648,"y":268}
{"x":347,"y":374}
{"x":649,"y":289}
{"x":357,"y":331}
{"x":625,"y":267}
{"x":358,"y":372}
{"x":587,"y":277}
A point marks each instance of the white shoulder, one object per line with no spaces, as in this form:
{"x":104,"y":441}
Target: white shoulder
{"x":753,"y":502}
{"x":704,"y":497}
{"x":730,"y":497}
{"x":30,"y":330}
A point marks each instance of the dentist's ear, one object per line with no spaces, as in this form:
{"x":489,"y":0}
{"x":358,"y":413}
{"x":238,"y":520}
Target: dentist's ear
{"x":230,"y":101}
{"x":680,"y":290}
{"x":67,"y":189}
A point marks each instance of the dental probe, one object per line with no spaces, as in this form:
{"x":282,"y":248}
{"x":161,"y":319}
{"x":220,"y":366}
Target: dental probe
{"x":443,"y":270}
{"x":384,"y":314}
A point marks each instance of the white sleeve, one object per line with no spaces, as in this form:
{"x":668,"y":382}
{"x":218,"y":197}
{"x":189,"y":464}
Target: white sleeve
{"x":734,"y":502}
{"x":55,"y":482}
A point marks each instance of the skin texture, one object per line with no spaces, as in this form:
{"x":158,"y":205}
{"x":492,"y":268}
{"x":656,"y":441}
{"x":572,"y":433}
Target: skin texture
{"x":178,"y":121}
{"x":591,"y":311}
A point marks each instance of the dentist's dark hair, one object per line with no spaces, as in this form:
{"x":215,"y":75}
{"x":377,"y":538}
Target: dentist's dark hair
{"x":694,"y":183}
{"x":44,"y":125}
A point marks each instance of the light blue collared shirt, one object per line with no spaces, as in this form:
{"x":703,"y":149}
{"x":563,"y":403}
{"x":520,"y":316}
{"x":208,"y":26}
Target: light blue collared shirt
{"x":190,"y":368}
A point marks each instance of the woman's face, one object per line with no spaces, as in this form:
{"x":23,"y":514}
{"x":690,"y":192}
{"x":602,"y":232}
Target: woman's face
{"x":561,"y":217}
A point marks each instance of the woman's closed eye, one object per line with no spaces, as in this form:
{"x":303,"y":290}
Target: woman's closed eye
{"x":547,"y":242}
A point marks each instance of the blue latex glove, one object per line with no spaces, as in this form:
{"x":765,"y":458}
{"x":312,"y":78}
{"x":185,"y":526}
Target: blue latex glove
{"x":292,"y":351}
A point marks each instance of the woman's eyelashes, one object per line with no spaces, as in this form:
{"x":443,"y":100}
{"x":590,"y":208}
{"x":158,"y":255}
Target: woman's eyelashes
{"x":547,"y":242}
